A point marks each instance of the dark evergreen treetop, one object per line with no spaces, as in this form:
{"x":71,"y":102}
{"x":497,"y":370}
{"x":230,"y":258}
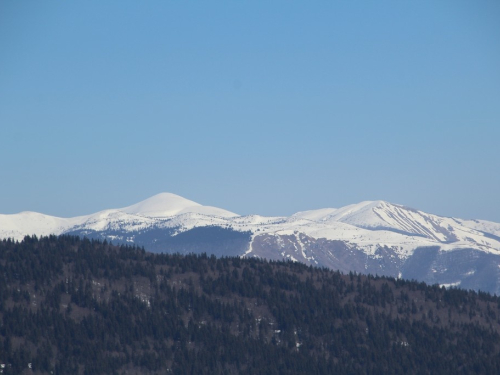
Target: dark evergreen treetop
{"x":71,"y":305}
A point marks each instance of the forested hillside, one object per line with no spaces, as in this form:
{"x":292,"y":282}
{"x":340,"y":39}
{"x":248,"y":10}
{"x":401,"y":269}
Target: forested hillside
{"x":71,"y":305}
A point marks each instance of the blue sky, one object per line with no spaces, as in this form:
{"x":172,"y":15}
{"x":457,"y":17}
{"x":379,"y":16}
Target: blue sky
{"x":266,"y":107}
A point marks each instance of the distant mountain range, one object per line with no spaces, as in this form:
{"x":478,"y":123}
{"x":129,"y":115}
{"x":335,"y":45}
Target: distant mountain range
{"x":374,"y":237}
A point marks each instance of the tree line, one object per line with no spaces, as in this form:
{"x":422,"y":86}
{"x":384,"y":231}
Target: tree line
{"x":75,"y":305}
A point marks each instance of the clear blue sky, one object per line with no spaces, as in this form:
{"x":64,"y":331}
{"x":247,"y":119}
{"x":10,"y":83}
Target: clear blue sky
{"x":266,"y":107}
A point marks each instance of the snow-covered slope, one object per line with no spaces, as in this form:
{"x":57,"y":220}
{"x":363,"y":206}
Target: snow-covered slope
{"x":17,"y":226}
{"x":167,"y":205}
{"x":380,"y":215}
{"x":481,"y":226}
{"x":379,"y":222}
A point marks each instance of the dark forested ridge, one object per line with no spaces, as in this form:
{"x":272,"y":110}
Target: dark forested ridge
{"x":71,"y":305}
{"x":207,"y":239}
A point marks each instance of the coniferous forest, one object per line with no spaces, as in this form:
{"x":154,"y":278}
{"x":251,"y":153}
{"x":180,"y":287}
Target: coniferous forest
{"x":70,"y":305}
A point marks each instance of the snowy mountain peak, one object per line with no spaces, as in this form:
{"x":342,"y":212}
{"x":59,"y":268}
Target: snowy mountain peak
{"x":381,"y":215}
{"x":168,"y":205}
{"x":385,"y":216}
{"x":160,"y":205}
{"x":365,"y":214}
{"x":353,"y":212}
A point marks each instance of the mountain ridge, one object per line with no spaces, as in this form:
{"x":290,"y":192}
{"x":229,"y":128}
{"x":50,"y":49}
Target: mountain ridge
{"x":348,"y":222}
{"x":375,"y":237}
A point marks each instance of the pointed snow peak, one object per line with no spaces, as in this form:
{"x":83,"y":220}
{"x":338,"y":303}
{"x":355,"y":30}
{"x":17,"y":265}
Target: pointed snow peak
{"x":168,"y":204}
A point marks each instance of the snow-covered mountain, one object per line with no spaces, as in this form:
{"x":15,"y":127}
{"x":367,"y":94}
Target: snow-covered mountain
{"x":369,"y":237}
{"x":168,"y":205}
